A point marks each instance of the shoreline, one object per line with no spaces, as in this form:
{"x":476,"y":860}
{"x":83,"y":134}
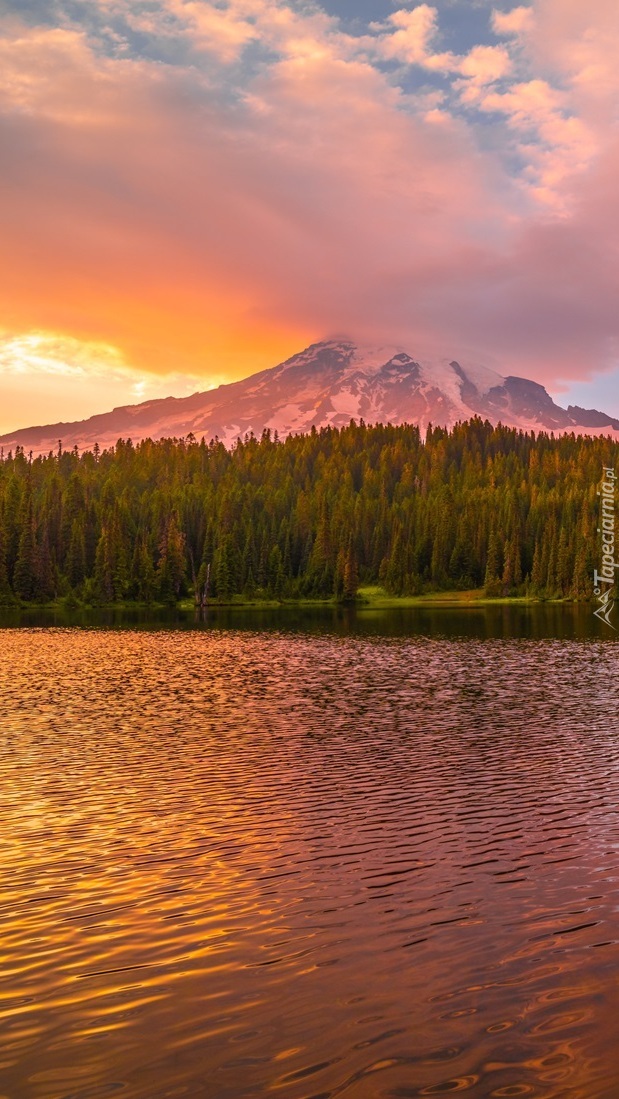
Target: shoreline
{"x":368,"y":599}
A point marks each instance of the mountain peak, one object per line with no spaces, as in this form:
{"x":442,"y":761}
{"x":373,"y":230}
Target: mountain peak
{"x":345,"y":354}
{"x":328,"y":384}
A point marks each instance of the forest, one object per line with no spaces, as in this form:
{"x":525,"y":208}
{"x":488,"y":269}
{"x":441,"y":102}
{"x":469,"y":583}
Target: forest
{"x":311,"y":516}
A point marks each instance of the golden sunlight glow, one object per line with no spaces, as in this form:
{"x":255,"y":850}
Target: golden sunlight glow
{"x":50,"y":376}
{"x":51,"y":353}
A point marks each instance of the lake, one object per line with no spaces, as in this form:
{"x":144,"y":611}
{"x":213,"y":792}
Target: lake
{"x":310,"y":854}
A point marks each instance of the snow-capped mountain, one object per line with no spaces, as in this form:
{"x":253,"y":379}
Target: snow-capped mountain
{"x":330,"y":383}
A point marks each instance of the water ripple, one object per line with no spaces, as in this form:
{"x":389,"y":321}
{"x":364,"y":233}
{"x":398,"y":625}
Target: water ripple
{"x":243,"y":863}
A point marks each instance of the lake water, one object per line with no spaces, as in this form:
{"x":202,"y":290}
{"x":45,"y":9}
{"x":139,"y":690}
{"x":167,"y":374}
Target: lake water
{"x":367,"y":856}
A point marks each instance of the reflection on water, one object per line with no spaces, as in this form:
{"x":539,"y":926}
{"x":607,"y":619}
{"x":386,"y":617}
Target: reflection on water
{"x":310,"y":864}
{"x":534,"y":620}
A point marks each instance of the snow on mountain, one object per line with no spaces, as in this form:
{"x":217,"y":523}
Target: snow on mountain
{"x":330,"y":383}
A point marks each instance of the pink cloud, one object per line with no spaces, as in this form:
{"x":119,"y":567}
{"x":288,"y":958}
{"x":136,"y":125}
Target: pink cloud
{"x":485,"y":64}
{"x":516,"y":22}
{"x":412,"y":38}
{"x":189,"y":225}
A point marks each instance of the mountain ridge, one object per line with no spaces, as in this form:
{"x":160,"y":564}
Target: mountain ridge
{"x":328,"y":384}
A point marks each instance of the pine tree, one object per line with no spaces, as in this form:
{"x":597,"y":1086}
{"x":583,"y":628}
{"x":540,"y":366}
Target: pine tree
{"x":24,"y":580}
{"x":350,"y":575}
{"x":537,"y":571}
{"x":75,"y":566}
{"x":581,"y":585}
{"x":565,"y":567}
{"x":143,"y":577}
{"x":491,"y":577}
{"x":223,"y":581}
{"x":276,"y":573}
{"x":104,"y":569}
{"x":512,"y":568}
{"x":6,"y":595}
{"x":45,"y":581}
{"x":171,"y":566}
{"x":551,"y":573}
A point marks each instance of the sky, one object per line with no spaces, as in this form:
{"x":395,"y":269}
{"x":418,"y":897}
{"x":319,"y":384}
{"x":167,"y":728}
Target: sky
{"x":192,"y":191}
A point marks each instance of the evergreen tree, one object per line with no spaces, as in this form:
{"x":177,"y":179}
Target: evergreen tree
{"x":491,"y":576}
{"x":276,"y":573}
{"x":6,"y":595}
{"x":45,"y":581}
{"x":104,"y":569}
{"x":76,"y":556}
{"x":350,"y":577}
{"x":25,"y":578}
{"x":171,"y":566}
{"x":310,"y":515}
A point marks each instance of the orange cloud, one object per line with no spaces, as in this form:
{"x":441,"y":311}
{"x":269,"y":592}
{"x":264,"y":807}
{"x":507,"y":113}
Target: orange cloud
{"x":202,"y":222}
{"x":515,"y":22}
{"x":175,"y":230}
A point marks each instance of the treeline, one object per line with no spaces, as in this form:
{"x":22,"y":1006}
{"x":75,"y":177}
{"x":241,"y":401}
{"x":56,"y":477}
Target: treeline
{"x":312,"y":516}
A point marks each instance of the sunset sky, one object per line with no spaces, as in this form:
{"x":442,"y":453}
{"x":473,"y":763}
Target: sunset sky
{"x":193,"y":191}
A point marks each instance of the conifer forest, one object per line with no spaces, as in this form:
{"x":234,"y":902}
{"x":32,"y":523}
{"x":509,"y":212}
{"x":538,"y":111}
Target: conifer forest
{"x":312,"y":516}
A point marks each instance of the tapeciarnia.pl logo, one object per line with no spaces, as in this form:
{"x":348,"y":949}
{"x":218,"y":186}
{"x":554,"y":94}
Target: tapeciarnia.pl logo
{"x":604,"y":580}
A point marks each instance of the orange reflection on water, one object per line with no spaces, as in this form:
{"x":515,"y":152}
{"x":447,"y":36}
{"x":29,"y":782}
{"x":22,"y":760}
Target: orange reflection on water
{"x":241,"y":862}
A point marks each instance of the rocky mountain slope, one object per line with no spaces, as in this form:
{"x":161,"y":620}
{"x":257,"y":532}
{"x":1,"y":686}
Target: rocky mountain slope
{"x":329,"y":383}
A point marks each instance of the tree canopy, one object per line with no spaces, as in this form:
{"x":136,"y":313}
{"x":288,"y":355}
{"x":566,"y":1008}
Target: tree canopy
{"x":313,"y":515}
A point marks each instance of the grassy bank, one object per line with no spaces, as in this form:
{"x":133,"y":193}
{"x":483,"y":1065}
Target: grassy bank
{"x":378,"y":597}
